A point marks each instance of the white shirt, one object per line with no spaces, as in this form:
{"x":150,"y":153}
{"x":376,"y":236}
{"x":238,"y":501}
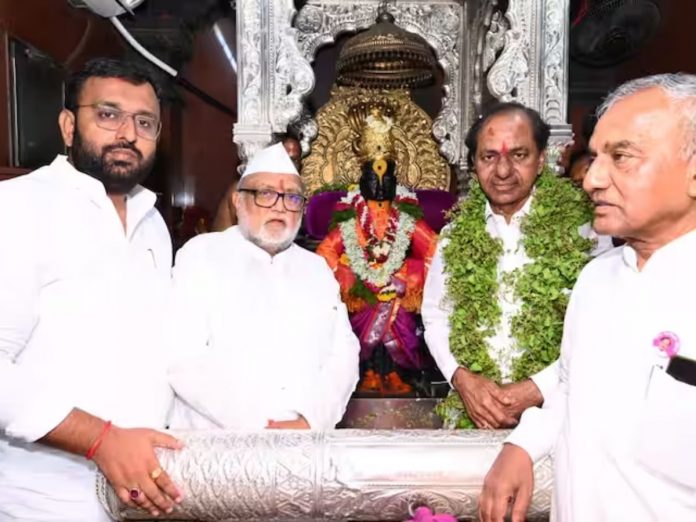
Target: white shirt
{"x":80,"y":302}
{"x":267,"y":337}
{"x":437,"y":308}
{"x":627,"y":429}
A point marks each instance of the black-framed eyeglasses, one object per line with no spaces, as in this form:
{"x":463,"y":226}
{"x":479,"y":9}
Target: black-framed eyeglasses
{"x":112,"y":118}
{"x":267,"y":198}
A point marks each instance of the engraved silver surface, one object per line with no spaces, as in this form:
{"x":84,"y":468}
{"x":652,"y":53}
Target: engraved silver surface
{"x":354,"y":475}
{"x":441,"y":23}
{"x":519,"y":54}
{"x":272,"y":77}
{"x":533,"y":65}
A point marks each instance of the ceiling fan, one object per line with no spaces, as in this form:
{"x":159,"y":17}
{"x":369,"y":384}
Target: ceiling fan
{"x":607,"y":32}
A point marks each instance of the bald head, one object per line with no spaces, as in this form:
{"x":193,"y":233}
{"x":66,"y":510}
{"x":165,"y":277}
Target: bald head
{"x":678,"y":88}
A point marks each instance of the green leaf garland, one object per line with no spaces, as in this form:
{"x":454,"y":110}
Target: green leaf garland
{"x":557,"y":252}
{"x":339,"y":216}
{"x":412,"y":209}
{"x":360,"y":291}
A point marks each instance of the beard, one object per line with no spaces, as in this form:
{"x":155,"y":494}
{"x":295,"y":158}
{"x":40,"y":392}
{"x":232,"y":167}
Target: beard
{"x":262,"y":238}
{"x":118,"y":177}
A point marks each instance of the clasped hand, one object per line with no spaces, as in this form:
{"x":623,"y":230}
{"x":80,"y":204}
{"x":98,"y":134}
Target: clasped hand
{"x":490,"y":405}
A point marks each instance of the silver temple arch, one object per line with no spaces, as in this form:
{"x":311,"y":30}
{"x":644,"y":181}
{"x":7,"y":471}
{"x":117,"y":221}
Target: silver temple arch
{"x":514,"y":50}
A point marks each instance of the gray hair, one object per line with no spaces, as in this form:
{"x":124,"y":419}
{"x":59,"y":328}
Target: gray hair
{"x":679,"y":87}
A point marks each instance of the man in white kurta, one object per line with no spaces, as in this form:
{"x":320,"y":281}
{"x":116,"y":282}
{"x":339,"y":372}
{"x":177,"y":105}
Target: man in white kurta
{"x":84,"y":275}
{"x":622,"y":427}
{"x":508,"y":129}
{"x":267,"y":339}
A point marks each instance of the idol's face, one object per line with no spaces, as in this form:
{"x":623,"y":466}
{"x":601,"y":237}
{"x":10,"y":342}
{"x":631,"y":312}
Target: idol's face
{"x":378,"y":180}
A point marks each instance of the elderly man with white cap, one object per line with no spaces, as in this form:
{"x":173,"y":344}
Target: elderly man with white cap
{"x":264,"y":337}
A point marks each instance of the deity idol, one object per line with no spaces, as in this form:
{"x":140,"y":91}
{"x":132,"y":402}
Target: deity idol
{"x":379,"y":248}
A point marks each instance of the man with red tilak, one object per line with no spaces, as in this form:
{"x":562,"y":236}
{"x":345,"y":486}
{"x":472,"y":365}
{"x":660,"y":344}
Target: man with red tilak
{"x":506,"y":154}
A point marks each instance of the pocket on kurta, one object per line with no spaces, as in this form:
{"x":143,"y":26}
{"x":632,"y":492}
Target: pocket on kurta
{"x":667,"y":429}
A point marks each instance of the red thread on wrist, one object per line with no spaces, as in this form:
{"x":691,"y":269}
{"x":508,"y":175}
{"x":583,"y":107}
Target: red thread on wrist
{"x":95,"y":445}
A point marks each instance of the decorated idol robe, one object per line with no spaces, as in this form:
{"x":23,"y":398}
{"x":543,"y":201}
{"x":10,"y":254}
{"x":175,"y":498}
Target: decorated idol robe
{"x":380,"y":253}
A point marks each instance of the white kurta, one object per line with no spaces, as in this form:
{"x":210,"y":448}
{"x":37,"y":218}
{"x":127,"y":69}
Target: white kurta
{"x":262,"y":337}
{"x":80,"y":305}
{"x":437,"y":308}
{"x":627,"y":429}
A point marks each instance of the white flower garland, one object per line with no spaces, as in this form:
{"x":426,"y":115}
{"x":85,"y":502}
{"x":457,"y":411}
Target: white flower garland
{"x":380,"y":275}
{"x":404,"y":193}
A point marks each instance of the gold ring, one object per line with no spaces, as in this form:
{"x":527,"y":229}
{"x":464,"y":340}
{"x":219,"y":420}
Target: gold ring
{"x":156,"y":473}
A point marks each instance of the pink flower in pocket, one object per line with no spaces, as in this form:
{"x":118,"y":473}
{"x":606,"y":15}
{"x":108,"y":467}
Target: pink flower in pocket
{"x":423,"y":514}
{"x":668,"y":343}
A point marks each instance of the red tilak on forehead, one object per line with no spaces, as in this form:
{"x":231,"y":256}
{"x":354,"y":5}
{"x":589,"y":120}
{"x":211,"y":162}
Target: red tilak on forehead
{"x":505,"y":149}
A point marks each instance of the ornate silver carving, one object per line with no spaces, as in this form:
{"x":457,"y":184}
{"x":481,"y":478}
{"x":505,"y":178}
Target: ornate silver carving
{"x":507,"y":79}
{"x":252,"y":130}
{"x":273,"y":77}
{"x":532,"y":69}
{"x":275,"y":73}
{"x":554,"y":98}
{"x":490,"y":26}
{"x":555,"y":62}
{"x":338,"y":475}
{"x":318,"y":22}
{"x":439,"y":22}
{"x":494,"y":39}
{"x":250,"y":100}
{"x":293,"y":77}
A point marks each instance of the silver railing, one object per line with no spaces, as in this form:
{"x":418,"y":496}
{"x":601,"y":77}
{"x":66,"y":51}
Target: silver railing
{"x":341,"y":475}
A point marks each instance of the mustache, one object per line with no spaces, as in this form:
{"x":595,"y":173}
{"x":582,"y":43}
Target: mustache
{"x":122,"y":145}
{"x":598,"y":198}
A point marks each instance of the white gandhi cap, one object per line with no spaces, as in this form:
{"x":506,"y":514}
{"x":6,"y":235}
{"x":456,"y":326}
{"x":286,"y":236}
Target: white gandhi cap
{"x":271,"y":160}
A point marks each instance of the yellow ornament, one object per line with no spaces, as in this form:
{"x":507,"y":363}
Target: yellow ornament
{"x":380,"y":167}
